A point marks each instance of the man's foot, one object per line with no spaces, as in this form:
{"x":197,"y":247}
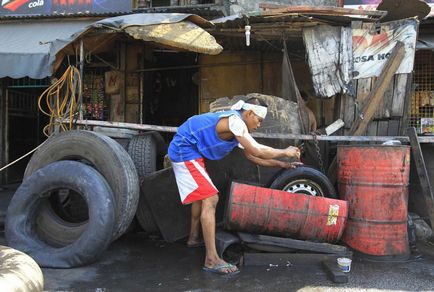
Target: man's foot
{"x":222,"y":269}
{"x":199,"y":243}
{"x":196,"y":241}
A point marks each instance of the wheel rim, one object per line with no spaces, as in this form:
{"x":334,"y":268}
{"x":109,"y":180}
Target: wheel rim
{"x":304,"y":186}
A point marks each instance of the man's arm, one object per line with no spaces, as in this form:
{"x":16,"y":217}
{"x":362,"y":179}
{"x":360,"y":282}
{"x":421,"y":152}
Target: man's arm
{"x":272,"y":162}
{"x":253,"y":148}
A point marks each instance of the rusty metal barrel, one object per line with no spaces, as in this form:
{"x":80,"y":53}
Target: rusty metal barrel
{"x":374,"y":180}
{"x":266,"y":211}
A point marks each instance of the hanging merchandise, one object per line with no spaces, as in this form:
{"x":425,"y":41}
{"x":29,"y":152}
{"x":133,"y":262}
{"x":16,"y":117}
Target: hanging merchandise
{"x":94,"y":105}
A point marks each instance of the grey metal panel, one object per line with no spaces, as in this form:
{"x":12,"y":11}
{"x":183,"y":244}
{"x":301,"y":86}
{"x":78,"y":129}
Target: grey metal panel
{"x":25,"y":47}
{"x":425,"y":42}
{"x":149,"y":19}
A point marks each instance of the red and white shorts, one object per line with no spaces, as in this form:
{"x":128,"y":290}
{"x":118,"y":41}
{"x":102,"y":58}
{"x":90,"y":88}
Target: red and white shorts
{"x":194,"y":183}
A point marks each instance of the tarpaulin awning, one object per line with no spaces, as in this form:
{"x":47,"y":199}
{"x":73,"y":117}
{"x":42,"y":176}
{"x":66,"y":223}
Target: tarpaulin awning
{"x":29,"y":49}
{"x":25,"y":47}
{"x":176,"y":30}
{"x":182,"y":35}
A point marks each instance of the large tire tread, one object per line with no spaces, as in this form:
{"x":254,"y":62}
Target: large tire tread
{"x":105,"y":155}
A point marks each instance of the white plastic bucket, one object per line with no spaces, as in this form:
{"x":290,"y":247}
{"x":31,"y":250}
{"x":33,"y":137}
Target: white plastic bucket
{"x":344,"y":264}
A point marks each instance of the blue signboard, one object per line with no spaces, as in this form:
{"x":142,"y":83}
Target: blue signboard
{"x":50,"y":7}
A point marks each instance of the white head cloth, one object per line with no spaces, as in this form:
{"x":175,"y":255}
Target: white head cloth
{"x":259,"y":110}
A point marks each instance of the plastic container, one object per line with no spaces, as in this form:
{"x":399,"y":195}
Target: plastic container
{"x":344,"y":264}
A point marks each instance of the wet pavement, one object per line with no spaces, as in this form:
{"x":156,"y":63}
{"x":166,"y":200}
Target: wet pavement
{"x":137,"y":263}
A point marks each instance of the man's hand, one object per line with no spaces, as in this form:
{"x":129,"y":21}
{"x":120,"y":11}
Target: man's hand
{"x":292,"y":151}
{"x":288,"y":165}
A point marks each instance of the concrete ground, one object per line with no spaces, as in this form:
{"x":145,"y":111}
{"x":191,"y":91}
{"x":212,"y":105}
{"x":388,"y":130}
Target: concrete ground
{"x":137,"y":263}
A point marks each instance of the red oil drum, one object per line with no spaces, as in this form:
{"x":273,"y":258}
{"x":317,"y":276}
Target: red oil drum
{"x":374,"y":180}
{"x":274,"y":212}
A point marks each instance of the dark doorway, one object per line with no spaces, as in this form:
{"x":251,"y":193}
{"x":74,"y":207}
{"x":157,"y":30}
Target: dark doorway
{"x":171,"y":96}
{"x":24,"y":125}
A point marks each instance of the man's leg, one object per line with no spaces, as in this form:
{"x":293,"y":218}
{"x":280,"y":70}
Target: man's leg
{"x":207,"y":219}
{"x":196,"y":209}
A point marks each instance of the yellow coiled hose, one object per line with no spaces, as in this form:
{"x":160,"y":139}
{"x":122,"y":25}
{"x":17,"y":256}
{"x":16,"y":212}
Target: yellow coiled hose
{"x":61,"y":100}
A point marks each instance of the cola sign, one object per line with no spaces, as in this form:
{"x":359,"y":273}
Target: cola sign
{"x":13,"y":6}
{"x":48,"y":7}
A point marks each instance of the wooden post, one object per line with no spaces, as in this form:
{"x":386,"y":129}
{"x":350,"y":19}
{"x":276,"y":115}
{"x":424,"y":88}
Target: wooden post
{"x":374,"y":98}
{"x":422,"y":173}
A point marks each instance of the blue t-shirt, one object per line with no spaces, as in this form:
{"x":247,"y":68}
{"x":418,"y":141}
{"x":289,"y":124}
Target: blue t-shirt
{"x":197,"y":138}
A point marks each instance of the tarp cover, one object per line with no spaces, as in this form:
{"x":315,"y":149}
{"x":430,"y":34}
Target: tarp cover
{"x":29,"y":49}
{"x":25,"y":47}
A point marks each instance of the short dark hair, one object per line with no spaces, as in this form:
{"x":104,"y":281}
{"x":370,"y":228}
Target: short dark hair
{"x":257,"y":101}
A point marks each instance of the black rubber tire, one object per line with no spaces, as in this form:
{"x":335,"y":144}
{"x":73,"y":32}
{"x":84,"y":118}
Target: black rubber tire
{"x":144,"y":216}
{"x":317,"y":179}
{"x":108,"y":158}
{"x":143,"y":150}
{"x":21,"y":215}
{"x":19,"y":272}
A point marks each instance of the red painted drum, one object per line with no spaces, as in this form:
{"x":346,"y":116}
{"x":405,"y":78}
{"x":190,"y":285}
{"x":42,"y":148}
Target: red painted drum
{"x":274,"y":212}
{"x":374,"y":180}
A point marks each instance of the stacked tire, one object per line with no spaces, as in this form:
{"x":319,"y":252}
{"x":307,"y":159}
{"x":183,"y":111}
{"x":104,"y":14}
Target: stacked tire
{"x":80,"y":192}
{"x":144,"y":150}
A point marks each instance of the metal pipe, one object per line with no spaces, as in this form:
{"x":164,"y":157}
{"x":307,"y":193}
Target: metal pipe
{"x":168,"y":129}
{"x":205,"y":65}
{"x":141,"y":84}
{"x":80,"y":94}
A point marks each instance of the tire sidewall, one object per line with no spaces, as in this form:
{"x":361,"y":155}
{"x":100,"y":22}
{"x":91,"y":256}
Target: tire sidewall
{"x":303,"y":172}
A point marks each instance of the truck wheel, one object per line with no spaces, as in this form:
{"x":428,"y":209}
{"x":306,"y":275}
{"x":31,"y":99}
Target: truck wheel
{"x":35,"y":190}
{"x":304,"y":180}
{"x":19,"y":272}
{"x":143,"y":150}
{"x":108,"y":158}
{"x":144,"y":216}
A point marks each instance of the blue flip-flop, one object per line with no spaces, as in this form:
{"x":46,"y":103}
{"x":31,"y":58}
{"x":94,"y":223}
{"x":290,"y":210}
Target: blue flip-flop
{"x":219,"y":269}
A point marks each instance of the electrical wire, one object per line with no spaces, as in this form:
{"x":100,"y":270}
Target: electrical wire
{"x":62,"y":101}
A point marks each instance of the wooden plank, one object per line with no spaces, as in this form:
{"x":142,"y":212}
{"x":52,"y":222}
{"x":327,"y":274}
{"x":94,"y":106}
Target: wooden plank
{"x":275,"y":9}
{"x":385,"y":107}
{"x":333,"y":271}
{"x":393,"y":129}
{"x":383,"y":127}
{"x":360,"y":126}
{"x":372,"y":129}
{"x":332,"y":128}
{"x":364,"y":85}
{"x":399,"y":95}
{"x":383,"y":110}
{"x":407,"y":102}
{"x":422,"y":173}
{"x":349,"y":109}
{"x":292,"y":243}
{"x":289,"y":259}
